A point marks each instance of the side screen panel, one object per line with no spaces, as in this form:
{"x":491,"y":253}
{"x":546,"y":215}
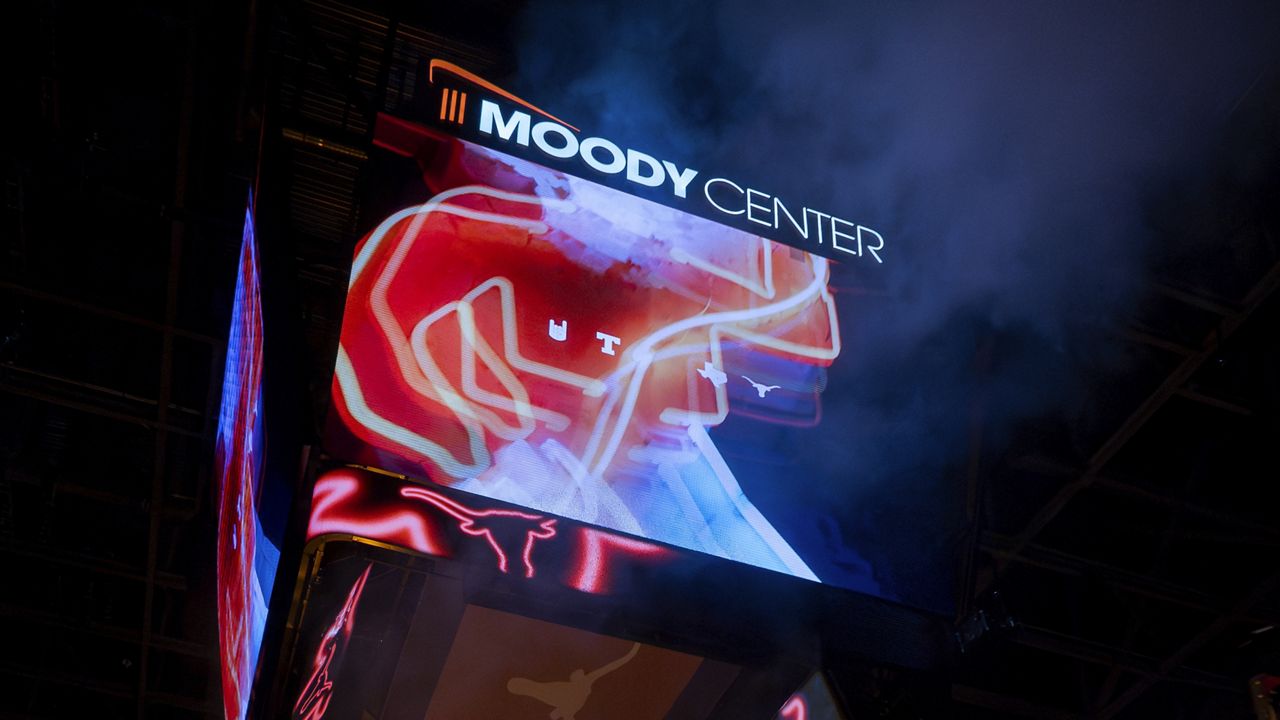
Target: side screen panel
{"x":246,"y":558}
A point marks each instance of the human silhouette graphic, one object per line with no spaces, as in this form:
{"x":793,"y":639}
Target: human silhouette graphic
{"x":761,"y":387}
{"x":566,"y":697}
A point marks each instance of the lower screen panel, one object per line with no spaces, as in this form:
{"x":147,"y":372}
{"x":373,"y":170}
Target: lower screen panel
{"x":386,"y":634}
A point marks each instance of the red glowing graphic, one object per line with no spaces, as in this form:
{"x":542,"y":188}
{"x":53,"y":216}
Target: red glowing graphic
{"x":335,"y":508}
{"x":351,"y":502}
{"x":795,"y":709}
{"x":595,"y":555}
{"x":314,"y":699}
{"x":492,"y":524}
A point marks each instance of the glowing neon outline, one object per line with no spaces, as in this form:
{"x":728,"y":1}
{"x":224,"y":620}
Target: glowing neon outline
{"x":592,"y":573}
{"x":466,"y":518}
{"x":335,"y":489}
{"x":764,"y":290}
{"x":795,"y":709}
{"x":637,"y":358}
{"x":343,"y":623}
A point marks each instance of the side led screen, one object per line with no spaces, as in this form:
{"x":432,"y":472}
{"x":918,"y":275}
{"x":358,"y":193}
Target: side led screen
{"x":246,"y":558}
{"x":543,"y":340}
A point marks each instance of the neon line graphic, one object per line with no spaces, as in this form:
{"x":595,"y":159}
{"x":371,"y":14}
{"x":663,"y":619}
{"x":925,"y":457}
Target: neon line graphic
{"x":765,"y":290}
{"x":472,"y":77}
{"x":480,"y":524}
{"x":375,"y":238}
{"x":795,"y":709}
{"x":403,"y":527}
{"x":353,"y":399}
{"x":642,"y":354}
{"x":478,"y":413}
{"x":351,"y":502}
{"x":314,"y":699}
{"x":593,"y":493}
{"x":597,"y":547}
{"x":637,"y":358}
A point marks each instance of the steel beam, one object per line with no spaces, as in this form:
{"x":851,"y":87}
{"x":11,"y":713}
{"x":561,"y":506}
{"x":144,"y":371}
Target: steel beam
{"x":113,"y":632}
{"x":102,"y":566}
{"x":177,"y":235}
{"x":1145,"y":338}
{"x":55,"y":299}
{"x":1052,"y":468}
{"x":1129,"y":490}
{"x":1214,"y":402}
{"x":1109,"y":656}
{"x":1008,"y":704}
{"x":1195,"y":300}
{"x":92,"y":409}
{"x":104,"y":688}
{"x":1136,"y":420}
{"x":1171,"y":665}
{"x":974,"y":481}
{"x":1001,"y":546}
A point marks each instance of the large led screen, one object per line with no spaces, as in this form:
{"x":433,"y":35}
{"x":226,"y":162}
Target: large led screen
{"x":246,"y":557}
{"x":523,"y":334}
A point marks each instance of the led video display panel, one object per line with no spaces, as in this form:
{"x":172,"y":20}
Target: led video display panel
{"x":246,"y":557}
{"x":382,"y":635}
{"x":519,"y":332}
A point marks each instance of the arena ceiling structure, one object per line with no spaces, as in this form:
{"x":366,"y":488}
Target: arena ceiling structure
{"x":1118,"y":558}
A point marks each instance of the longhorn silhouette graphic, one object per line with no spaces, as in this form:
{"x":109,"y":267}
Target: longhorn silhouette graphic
{"x":497,"y":527}
{"x":761,"y":387}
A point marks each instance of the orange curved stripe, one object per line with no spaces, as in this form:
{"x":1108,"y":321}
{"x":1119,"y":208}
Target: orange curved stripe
{"x":450,"y":67}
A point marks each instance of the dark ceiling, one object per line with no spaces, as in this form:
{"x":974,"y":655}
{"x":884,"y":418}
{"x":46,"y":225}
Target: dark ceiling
{"x":1131,"y":538}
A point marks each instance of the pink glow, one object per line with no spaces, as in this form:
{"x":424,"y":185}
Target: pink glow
{"x":594,"y":552}
{"x":473,"y":522}
{"x":353,"y":502}
{"x":332,"y":512}
{"x":795,"y":709}
{"x":314,"y":699}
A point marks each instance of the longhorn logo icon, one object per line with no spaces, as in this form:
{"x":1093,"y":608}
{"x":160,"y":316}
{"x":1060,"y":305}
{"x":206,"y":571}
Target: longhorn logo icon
{"x":504,"y":530}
